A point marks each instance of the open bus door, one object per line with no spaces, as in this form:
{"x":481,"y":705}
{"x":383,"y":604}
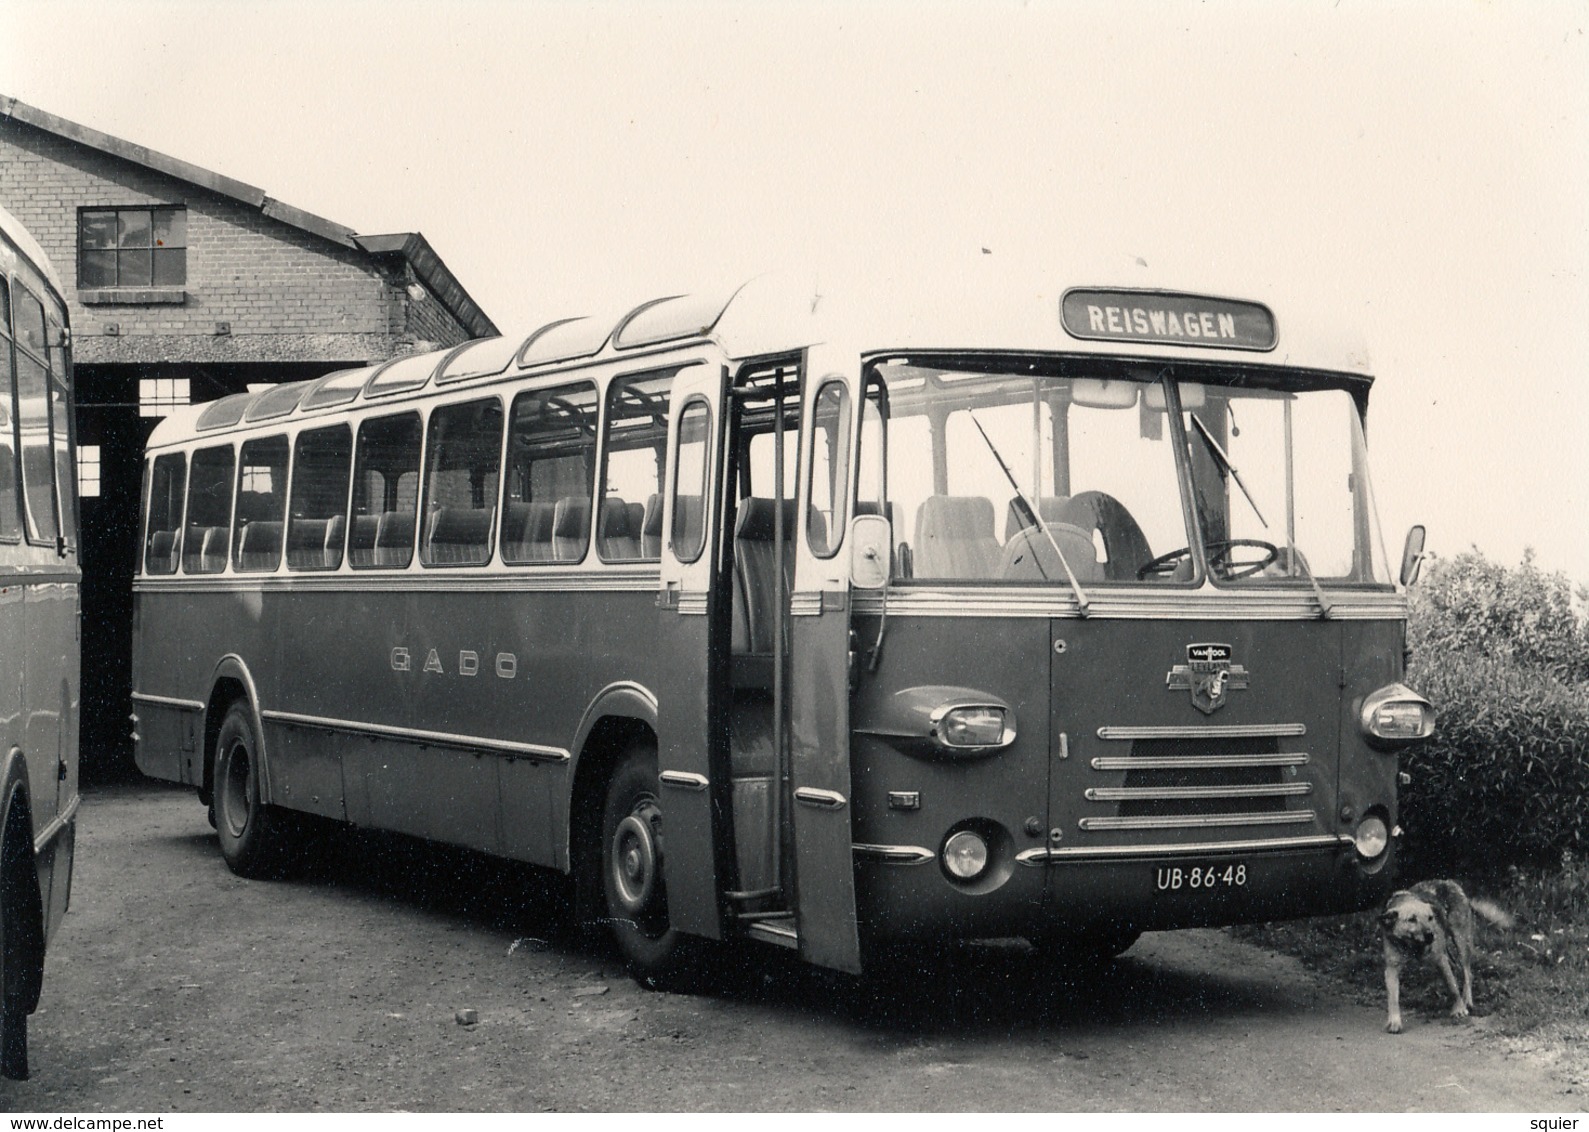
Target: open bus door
{"x":819,"y":671}
{"x":692,"y":756}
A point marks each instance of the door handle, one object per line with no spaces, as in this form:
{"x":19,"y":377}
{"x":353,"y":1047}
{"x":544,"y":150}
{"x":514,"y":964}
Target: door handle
{"x":820,"y":799}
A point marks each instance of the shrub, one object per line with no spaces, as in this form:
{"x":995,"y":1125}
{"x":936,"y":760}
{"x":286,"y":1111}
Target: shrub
{"x":1503,"y":658}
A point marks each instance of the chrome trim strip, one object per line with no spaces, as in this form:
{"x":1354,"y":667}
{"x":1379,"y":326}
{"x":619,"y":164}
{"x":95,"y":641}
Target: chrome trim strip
{"x":773,"y":933}
{"x":414,"y":735}
{"x":1200,"y":821}
{"x":692,"y":604}
{"x":1169,"y":793}
{"x":1161,"y":605}
{"x":820,"y":799}
{"x":806,"y":603}
{"x":470,"y":579}
{"x":1040,"y":857}
{"x":1207,"y":731}
{"x":683,"y":780}
{"x":55,"y":825}
{"x":1194,"y":762}
{"x":167,"y":701}
{"x":895,"y":854}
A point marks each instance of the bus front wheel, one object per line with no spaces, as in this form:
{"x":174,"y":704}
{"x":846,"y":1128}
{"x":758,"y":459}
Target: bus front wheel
{"x":255,"y":838}
{"x":634,"y":877}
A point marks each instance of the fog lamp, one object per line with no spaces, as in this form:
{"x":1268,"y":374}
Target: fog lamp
{"x":965,"y":855}
{"x":972,"y":727}
{"x":1371,"y":837}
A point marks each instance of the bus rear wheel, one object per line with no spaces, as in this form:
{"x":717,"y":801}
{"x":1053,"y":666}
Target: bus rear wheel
{"x":633,"y":873}
{"x":256,"y":840}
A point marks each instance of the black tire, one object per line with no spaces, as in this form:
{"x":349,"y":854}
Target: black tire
{"x":21,"y":942}
{"x":258,"y":841}
{"x":633,"y":878}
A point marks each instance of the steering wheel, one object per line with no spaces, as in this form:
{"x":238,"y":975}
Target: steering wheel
{"x":1218,"y":559}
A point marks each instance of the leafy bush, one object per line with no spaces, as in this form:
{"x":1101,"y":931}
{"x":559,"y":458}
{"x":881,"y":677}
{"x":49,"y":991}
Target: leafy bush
{"x":1469,"y":606}
{"x":1504,"y":658}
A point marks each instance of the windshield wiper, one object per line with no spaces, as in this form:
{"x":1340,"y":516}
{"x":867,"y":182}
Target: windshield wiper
{"x":1296,"y":555}
{"x":1224,"y":461}
{"x":1036,"y":517}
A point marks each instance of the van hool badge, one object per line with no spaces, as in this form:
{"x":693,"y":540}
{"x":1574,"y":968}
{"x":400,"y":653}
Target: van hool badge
{"x":1209,"y":675}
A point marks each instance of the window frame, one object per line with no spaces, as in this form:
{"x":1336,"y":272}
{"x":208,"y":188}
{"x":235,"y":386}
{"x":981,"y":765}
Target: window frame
{"x":116,"y":249}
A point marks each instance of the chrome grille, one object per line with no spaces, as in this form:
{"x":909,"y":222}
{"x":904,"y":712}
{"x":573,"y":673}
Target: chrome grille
{"x":1200,"y":778}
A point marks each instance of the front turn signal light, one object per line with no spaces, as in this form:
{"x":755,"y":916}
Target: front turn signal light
{"x":1396,"y":715}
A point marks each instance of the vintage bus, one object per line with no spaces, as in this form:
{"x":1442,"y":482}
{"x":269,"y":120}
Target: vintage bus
{"x":39,"y":628}
{"x":787,"y":619}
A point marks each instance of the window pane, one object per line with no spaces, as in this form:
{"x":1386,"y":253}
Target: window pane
{"x":689,"y":482}
{"x":830,"y":470}
{"x":30,"y":323}
{"x":209,"y":523}
{"x":64,"y":479}
{"x":98,"y":230}
{"x":37,"y":461}
{"x":132,"y":228}
{"x":551,"y":457}
{"x":87,"y":472}
{"x":99,"y":270}
{"x":5,"y":308}
{"x":381,"y":528}
{"x":133,"y":269}
{"x":10,"y":527}
{"x":171,"y":228}
{"x":164,"y":513}
{"x":461,"y":463}
{"x":319,"y":499}
{"x":636,"y":447}
{"x":170,"y":267}
{"x":261,"y":502}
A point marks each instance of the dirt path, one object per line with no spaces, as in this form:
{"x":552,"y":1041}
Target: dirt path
{"x":174,"y":985}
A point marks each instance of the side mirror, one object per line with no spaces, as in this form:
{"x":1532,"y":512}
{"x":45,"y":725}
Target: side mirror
{"x":1412,"y":556}
{"x":871,"y":544}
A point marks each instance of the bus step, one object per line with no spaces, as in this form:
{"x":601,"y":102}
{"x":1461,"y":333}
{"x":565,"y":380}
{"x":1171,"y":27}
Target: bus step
{"x":780,"y":931}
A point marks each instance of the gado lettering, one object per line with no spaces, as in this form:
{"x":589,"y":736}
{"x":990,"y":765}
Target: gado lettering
{"x":505,"y":664}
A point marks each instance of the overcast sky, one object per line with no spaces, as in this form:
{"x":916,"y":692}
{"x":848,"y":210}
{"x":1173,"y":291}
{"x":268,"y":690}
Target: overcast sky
{"x":1421,"y":167}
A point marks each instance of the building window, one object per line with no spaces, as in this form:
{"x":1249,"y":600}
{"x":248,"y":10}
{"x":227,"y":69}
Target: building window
{"x":157,"y":396}
{"x":132,"y":247}
{"x":87,"y":470}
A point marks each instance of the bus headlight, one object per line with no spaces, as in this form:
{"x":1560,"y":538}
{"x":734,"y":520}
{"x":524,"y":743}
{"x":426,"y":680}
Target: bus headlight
{"x":1396,"y":715}
{"x":975,"y":726}
{"x":1371,"y":837}
{"x":965,"y":855}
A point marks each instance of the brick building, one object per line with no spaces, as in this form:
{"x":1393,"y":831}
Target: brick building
{"x":186,"y":285}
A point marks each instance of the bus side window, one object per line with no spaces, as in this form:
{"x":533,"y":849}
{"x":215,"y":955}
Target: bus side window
{"x":33,"y":393}
{"x":385,"y":476}
{"x":164,"y":514}
{"x":688,"y":536}
{"x":10,"y":522}
{"x":551,"y":456}
{"x":261,"y":503}
{"x":209,"y":521}
{"x":320,"y":465}
{"x":461,"y":465}
{"x":634,"y":454}
{"x":828,"y":490}
{"x":61,"y":431}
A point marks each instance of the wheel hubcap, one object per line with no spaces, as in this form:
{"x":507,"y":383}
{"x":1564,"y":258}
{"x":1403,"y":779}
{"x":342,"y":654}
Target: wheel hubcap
{"x":237,"y":792}
{"x":636,"y":860}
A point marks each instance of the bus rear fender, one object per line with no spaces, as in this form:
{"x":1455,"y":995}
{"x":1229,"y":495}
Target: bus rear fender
{"x":619,"y":714}
{"x":231,"y":682}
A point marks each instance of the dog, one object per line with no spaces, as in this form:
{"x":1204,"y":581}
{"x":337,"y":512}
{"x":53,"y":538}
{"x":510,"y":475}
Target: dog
{"x":1433,"y":919}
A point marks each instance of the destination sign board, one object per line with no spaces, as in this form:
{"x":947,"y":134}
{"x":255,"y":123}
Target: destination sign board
{"x":1167,"y":318}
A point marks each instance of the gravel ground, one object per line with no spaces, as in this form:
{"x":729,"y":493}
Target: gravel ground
{"x":175,"y":986}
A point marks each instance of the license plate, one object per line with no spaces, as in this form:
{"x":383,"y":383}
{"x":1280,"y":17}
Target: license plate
{"x":1214,"y":877}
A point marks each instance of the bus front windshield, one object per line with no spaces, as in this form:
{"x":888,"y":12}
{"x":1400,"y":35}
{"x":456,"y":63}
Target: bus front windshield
{"x":1040,"y":472}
